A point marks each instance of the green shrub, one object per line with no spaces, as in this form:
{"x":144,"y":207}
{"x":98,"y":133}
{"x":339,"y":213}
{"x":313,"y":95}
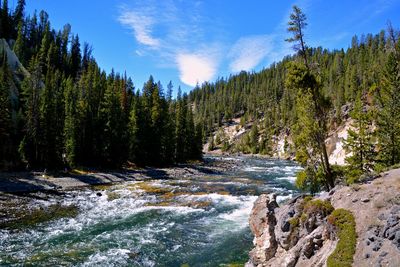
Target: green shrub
{"x":309,"y":180}
{"x":310,"y":206}
{"x":353,"y":176}
{"x":338,"y":172}
{"x":323,"y":207}
{"x":301,"y":180}
{"x":343,"y":254}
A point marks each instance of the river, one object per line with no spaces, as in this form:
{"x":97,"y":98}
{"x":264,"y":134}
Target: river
{"x":193,"y":221}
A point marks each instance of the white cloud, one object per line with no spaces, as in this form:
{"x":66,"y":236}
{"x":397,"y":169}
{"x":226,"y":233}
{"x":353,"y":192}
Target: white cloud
{"x":193,"y":43}
{"x":249,"y":51}
{"x":141,"y":26}
{"x":195,"y":68}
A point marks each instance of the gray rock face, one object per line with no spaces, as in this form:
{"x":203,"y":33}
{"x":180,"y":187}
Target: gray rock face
{"x":390,"y":230}
{"x":286,"y":234}
{"x":282,"y":239}
{"x":262,"y":224}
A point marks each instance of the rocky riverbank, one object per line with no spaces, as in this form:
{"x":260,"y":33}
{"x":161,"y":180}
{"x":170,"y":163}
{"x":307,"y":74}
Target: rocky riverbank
{"x":306,"y":232}
{"x":26,"y":182}
{"x":19,"y":189}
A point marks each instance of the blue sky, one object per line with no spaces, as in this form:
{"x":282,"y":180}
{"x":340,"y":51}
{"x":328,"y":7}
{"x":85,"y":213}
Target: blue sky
{"x":194,"y":41}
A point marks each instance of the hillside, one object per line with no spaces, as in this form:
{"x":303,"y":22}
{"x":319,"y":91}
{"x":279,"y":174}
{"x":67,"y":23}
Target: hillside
{"x":266,"y":112}
{"x":230,"y":135}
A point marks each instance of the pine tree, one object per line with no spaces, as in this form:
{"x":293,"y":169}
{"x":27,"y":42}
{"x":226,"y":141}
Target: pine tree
{"x":70,"y":122}
{"x":111,"y":113}
{"x":254,"y":139}
{"x":19,"y":12}
{"x":19,"y":46}
{"x":360,"y":142}
{"x":31,"y":88}
{"x":51,"y":134}
{"x":388,"y":119}
{"x":297,"y":24}
{"x":169,"y":91}
{"x":75,"y":57}
{"x":190,"y":136}
{"x":44,"y":49}
{"x":300,"y":78}
{"x":5,"y":21}
{"x":156,"y":126}
{"x":180,"y":130}
{"x":5,"y":113}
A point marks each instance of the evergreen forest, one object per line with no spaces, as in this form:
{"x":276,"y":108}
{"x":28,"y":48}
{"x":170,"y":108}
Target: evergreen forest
{"x":308,"y":95}
{"x":60,"y":109}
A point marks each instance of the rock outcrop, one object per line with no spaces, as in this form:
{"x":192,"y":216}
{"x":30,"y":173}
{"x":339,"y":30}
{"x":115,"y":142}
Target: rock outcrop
{"x":288,"y":235}
{"x":232,"y":133}
{"x":262,"y":224}
{"x":299,"y":233}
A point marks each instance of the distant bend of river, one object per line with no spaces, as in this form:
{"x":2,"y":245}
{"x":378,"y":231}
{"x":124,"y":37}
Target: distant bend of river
{"x":197,"y":221}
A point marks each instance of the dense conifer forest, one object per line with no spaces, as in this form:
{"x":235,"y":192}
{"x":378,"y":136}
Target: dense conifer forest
{"x":59,"y":109}
{"x":309,"y":94}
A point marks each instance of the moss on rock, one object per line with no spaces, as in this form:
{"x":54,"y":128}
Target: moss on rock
{"x":316,"y":206}
{"x":343,"y":254}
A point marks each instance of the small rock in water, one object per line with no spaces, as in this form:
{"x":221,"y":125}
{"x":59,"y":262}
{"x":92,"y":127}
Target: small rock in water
{"x":99,"y":194}
{"x":133,"y":254}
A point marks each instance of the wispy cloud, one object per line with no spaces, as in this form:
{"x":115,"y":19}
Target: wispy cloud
{"x":249,"y":51}
{"x":382,"y":6}
{"x":141,"y":25}
{"x":174,"y":38}
{"x":195,"y":68}
{"x":195,"y":44}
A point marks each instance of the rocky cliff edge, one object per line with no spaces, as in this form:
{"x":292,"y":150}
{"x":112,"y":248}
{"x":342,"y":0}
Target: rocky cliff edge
{"x":303,"y":232}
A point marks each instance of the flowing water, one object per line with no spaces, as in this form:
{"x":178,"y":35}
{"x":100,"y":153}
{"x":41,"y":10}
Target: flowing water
{"x":195,"y":221}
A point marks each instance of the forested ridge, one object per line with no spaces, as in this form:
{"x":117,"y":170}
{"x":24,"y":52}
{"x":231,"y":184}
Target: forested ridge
{"x":306,"y":96}
{"x":59,"y":109}
{"x":343,"y":73}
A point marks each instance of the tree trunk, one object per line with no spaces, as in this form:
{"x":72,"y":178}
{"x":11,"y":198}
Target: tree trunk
{"x":329,"y":177}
